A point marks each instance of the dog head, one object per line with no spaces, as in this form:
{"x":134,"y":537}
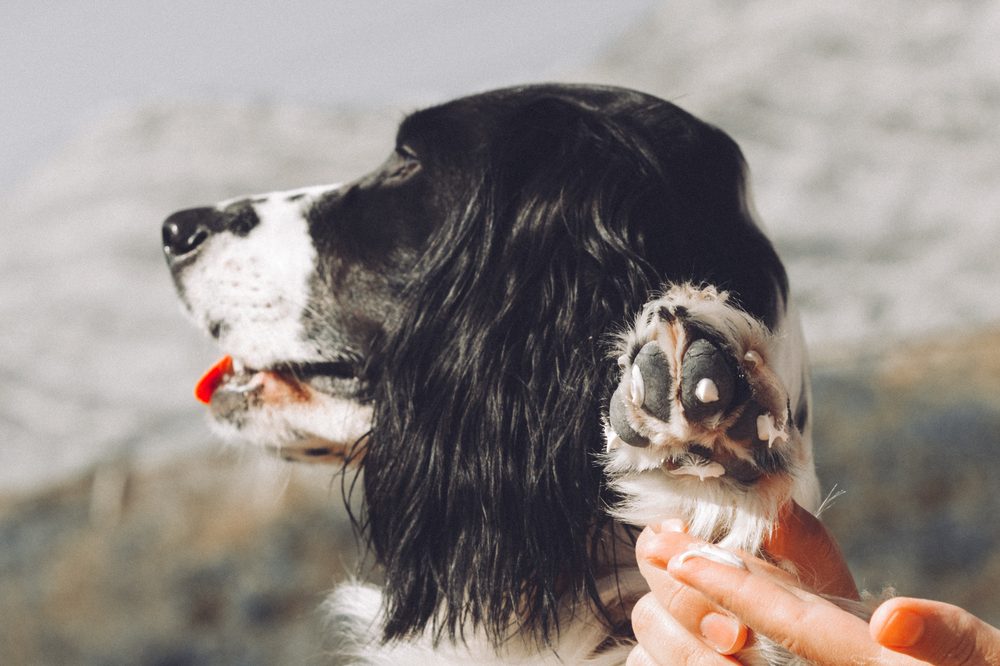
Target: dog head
{"x":447,"y":316}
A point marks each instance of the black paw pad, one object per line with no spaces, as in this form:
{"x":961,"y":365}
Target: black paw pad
{"x":708,"y":380}
{"x":618,"y":416}
{"x":647,"y":385}
{"x":657,"y":382}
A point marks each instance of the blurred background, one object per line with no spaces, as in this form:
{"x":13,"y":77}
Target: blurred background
{"x":129,"y":535}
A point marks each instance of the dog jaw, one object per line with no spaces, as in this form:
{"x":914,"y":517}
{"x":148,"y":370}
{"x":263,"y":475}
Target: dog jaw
{"x":252,"y":293}
{"x":295,"y":422}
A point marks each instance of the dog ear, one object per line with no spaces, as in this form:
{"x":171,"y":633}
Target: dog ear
{"x":483,"y":494}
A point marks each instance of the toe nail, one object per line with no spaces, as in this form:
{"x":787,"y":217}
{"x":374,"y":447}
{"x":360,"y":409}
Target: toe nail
{"x":637,"y":387}
{"x":706,"y":390}
{"x":618,"y":416}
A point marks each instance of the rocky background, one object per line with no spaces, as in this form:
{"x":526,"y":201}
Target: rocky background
{"x":910,"y":437}
{"x":127,"y":535}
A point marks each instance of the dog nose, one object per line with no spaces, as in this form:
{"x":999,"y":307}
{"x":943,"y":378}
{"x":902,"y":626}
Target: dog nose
{"x":184,"y":231}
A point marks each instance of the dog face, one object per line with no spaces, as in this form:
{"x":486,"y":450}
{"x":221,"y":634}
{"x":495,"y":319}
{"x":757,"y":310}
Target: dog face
{"x":298,"y":286}
{"x":451,"y":313}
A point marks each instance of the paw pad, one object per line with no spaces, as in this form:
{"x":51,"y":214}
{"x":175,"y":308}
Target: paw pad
{"x":696,"y":390}
{"x":708,"y":380}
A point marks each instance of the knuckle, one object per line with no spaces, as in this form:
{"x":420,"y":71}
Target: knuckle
{"x":732,"y":598}
{"x":961,"y":648}
{"x":663,"y":640}
{"x":637,"y":657}
{"x":683,"y":604}
{"x":644,"y":615}
{"x":952,"y":639}
{"x":792,"y":644}
{"x":966,"y":654}
{"x":798,"y":615}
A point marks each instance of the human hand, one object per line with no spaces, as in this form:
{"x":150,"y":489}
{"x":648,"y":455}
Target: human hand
{"x":935,"y":633}
{"x":680,"y":617}
{"x":690,"y":615}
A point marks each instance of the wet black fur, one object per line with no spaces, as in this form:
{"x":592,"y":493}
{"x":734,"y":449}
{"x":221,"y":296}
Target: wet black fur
{"x":539,"y":220}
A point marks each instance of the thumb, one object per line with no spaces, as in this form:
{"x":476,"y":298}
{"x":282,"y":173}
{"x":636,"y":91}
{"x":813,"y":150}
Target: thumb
{"x":803,"y":540}
{"x":935,"y":632}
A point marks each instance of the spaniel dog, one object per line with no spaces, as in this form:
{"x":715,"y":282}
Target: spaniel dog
{"x":450,"y":324}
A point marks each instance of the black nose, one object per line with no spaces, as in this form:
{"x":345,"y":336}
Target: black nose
{"x":184,"y":231}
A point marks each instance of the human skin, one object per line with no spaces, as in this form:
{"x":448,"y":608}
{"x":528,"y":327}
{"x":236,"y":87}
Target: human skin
{"x":700,"y":611}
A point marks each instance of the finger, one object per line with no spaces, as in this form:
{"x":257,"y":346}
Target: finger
{"x":935,"y":632}
{"x":639,"y":657}
{"x":802,"y":539}
{"x":659,"y":547}
{"x":688,"y":607}
{"x":664,"y":641}
{"x":803,"y":623}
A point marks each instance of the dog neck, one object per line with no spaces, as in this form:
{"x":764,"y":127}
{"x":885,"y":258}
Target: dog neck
{"x":585,"y":634}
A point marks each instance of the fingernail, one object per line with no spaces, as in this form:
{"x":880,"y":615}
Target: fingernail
{"x":902,"y":629}
{"x":711,"y":552}
{"x":723,"y":633}
{"x":650,"y":550}
{"x":669,"y":525}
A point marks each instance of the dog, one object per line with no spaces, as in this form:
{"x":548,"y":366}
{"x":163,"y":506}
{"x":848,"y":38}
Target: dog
{"x":449,"y":325}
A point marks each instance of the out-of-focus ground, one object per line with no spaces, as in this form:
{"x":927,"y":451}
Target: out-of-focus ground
{"x":127,"y":535}
{"x":205,"y":560}
{"x":911,"y":438}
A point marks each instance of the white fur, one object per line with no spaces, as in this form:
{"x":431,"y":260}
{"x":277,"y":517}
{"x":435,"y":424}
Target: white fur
{"x":292,"y":427}
{"x":355,"y":610}
{"x":711,"y":506}
{"x":736,"y":518}
{"x":259,"y":284}
{"x":791,"y":363}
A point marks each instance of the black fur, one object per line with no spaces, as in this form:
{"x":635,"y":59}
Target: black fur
{"x":538,"y":220}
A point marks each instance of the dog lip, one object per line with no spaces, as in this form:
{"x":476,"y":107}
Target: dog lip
{"x":303,"y":371}
{"x":232,"y":381}
{"x":339,"y":378}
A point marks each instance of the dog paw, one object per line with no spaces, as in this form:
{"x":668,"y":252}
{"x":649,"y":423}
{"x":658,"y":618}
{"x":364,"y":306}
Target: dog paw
{"x":701,"y":415}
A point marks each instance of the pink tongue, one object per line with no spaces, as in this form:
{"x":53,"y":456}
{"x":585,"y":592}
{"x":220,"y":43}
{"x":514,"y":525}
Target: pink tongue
{"x":211,"y":380}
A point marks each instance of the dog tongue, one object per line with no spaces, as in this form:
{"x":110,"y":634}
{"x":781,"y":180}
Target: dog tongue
{"x":211,"y":380}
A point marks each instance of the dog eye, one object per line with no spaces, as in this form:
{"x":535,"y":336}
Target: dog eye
{"x":403,"y":163}
{"x":406,"y":152}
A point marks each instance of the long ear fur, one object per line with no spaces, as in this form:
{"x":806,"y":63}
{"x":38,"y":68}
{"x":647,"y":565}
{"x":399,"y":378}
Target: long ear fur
{"x":483,"y":495}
